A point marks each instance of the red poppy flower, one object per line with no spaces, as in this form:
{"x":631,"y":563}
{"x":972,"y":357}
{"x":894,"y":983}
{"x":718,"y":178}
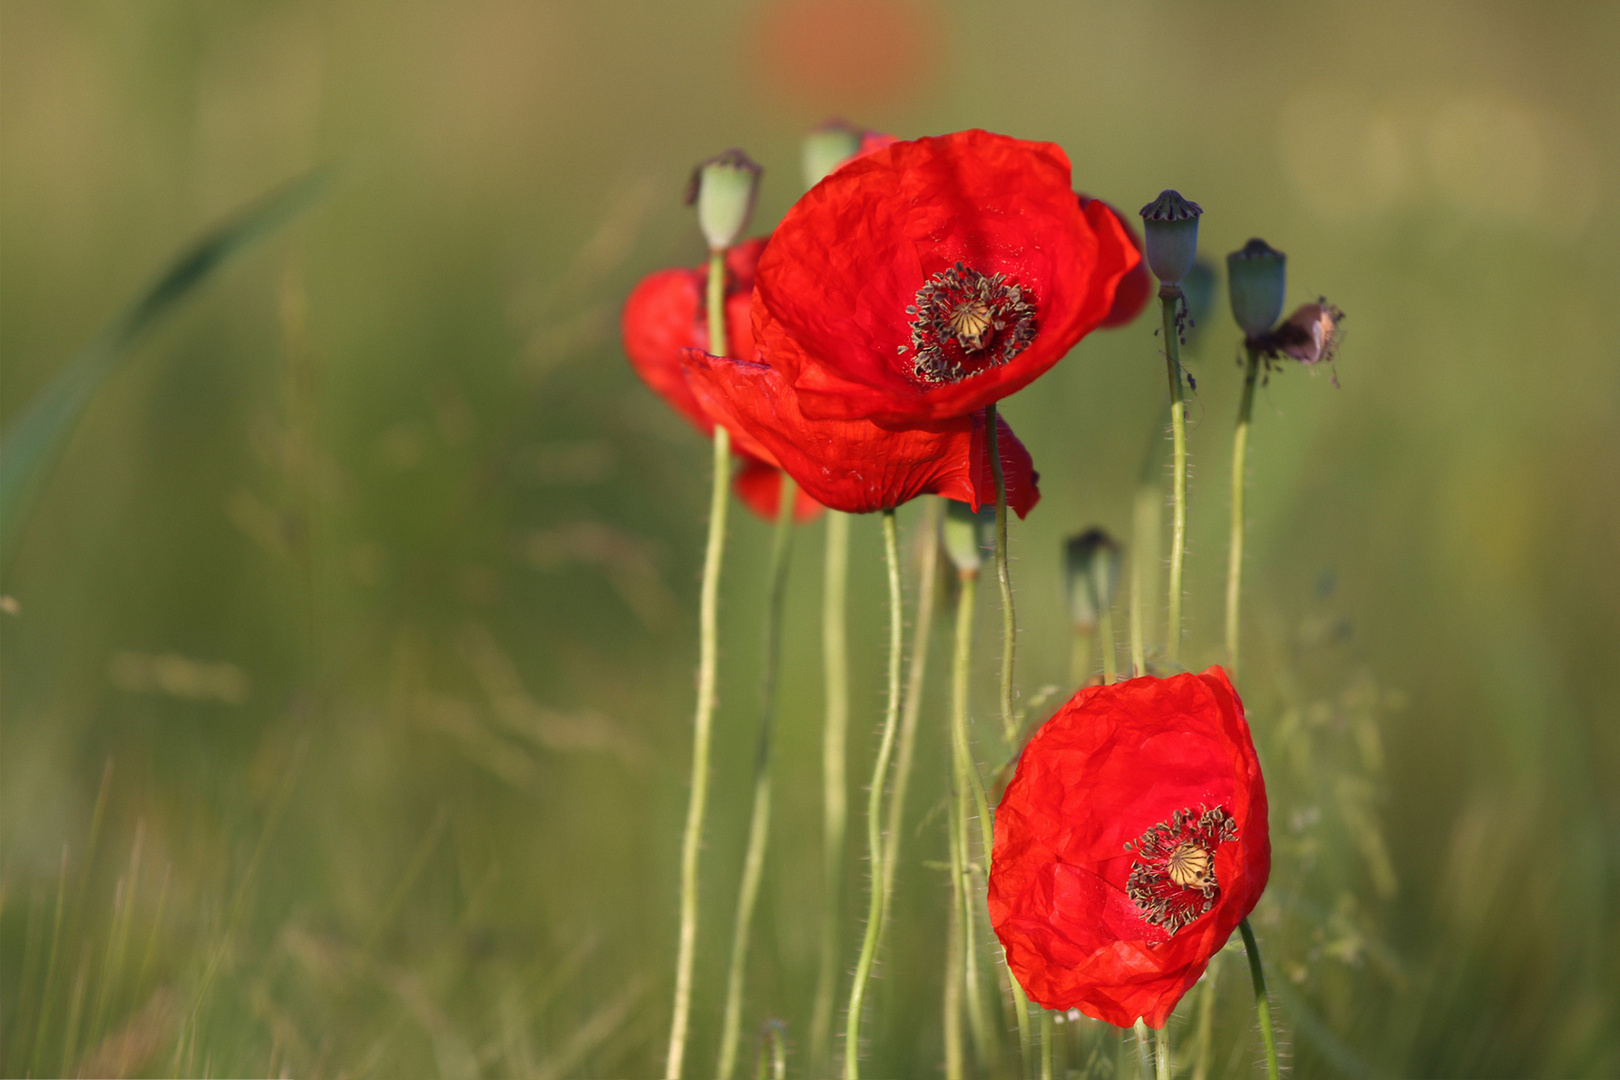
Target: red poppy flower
{"x":858,"y":466}
{"x":1130,"y":844}
{"x":933,"y":277}
{"x":1134,"y":288}
{"x":665,"y":314}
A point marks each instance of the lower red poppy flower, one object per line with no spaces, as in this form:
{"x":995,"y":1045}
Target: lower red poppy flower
{"x":858,"y":466}
{"x":1129,"y":845}
{"x":664,"y":314}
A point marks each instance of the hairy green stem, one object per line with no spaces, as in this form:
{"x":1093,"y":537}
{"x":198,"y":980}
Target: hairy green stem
{"x":1169,"y":297}
{"x":835,"y":799}
{"x":954,"y":941}
{"x":1161,"y":1053}
{"x":1143,"y":1054}
{"x":921,"y":634}
{"x":1009,"y":723}
{"x":703,"y":722}
{"x":1262,"y":1004}
{"x":1234,"y":565}
{"x":759,"y":827}
{"x":966,"y":784}
{"x":874,"y":806}
{"x":1046,"y":1044}
{"x":1009,"y":621}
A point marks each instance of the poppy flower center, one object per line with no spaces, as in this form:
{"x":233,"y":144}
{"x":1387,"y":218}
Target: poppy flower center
{"x":965,"y":322}
{"x":1172,"y":878}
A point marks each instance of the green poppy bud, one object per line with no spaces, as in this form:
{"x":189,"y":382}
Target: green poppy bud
{"x":1171,"y":225}
{"x":723,"y":189}
{"x":1256,"y":278}
{"x":1090,"y":577}
{"x":968,"y":536}
{"x":828,"y":147}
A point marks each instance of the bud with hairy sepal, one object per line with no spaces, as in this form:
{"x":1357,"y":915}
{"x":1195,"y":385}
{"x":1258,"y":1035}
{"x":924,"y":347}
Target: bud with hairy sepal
{"x":1256,"y":279}
{"x":1171,"y":225}
{"x":1090,"y":577}
{"x":723,"y":189}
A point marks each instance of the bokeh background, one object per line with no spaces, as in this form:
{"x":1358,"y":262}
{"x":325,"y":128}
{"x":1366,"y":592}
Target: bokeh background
{"x":363,"y":601}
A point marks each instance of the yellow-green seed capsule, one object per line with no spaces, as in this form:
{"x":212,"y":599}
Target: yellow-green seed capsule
{"x":723,"y":188}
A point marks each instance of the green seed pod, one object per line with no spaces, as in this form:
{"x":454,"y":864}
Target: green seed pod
{"x":1090,"y":577}
{"x":1171,"y":225}
{"x":723,"y":188}
{"x":1256,"y":278}
{"x":969,"y":536}
{"x":828,"y":147}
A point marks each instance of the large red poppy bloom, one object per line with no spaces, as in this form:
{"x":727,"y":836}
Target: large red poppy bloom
{"x":858,"y":466}
{"x":933,"y":277}
{"x":1130,"y":844}
{"x":665,"y":314}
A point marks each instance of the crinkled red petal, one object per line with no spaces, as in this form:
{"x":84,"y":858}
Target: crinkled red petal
{"x":1112,"y":763}
{"x":855,"y":465}
{"x":1132,"y":293}
{"x":834,"y":283}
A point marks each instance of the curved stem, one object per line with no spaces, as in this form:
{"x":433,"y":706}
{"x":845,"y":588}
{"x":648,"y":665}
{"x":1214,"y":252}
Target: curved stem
{"x":835,"y":799}
{"x":1169,"y":297}
{"x":922,"y":632}
{"x":759,"y":827}
{"x":703,"y":722}
{"x":1262,"y":1004}
{"x":966,"y":784}
{"x":1009,"y":724}
{"x":874,"y":807}
{"x":1009,"y":622}
{"x":1234,"y":565}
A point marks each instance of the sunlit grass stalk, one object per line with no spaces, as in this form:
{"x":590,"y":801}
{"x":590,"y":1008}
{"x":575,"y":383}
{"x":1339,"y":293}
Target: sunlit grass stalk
{"x":1169,"y":297}
{"x":703,"y":721}
{"x":1009,"y":638}
{"x":772,"y":1061}
{"x":954,"y":975}
{"x":967,"y":783}
{"x":759,"y":827}
{"x":47,"y":996}
{"x":1234,"y":565}
{"x":874,"y":806}
{"x":906,"y":747}
{"x":1262,"y":1003}
{"x":835,"y":798}
{"x":1206,"y":1020}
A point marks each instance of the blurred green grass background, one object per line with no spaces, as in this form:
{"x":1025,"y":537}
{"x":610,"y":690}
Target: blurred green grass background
{"x":363,"y":602}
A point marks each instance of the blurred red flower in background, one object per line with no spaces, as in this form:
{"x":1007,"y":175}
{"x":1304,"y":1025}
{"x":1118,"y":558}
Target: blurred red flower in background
{"x":665,"y":314}
{"x":1129,"y":845}
{"x":1131,"y":296}
{"x":933,"y":277}
{"x":858,"y":466}
{"x":847,"y":55}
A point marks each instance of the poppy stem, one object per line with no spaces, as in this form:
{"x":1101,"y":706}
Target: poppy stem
{"x":966,"y":782}
{"x":952,"y":1005}
{"x":921,"y":635}
{"x":1161,"y":1053}
{"x":703,"y":722}
{"x":835,"y":798}
{"x":1206,"y":1020}
{"x":1169,"y":298}
{"x":874,"y":806}
{"x":1046,"y":1045}
{"x":1009,"y":622}
{"x":759,"y":826}
{"x":1143,"y":1064}
{"x":1105,"y":625}
{"x":1234,"y":565}
{"x":1262,"y":1004}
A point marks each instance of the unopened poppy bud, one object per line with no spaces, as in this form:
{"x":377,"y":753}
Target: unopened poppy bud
{"x":723,"y":189}
{"x":828,"y":147}
{"x":1256,"y":277}
{"x":1311,"y":333}
{"x":1090,"y":577}
{"x":968,"y":535}
{"x":1171,"y":225}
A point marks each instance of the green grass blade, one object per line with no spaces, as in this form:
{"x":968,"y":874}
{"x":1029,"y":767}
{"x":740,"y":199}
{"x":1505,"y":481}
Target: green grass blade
{"x":32,"y":441}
